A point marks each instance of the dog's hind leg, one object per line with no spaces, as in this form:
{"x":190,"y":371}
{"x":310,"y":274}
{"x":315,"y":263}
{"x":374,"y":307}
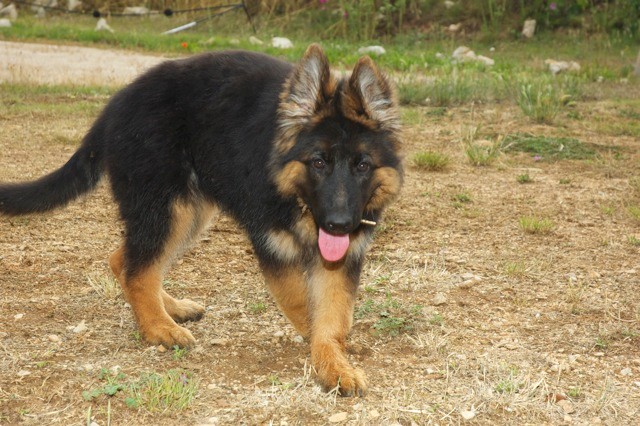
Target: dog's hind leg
{"x":288,"y":287}
{"x":141,"y":279}
{"x":332,"y":297}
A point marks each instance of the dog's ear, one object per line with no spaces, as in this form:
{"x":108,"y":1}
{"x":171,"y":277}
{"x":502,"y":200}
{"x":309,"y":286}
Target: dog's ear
{"x":308,"y":87}
{"x":370,"y":97}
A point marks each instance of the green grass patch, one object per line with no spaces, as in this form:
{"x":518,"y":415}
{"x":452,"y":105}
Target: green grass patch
{"x":480,"y":152}
{"x":535,"y":225}
{"x":431,"y":160}
{"x":524,"y":178}
{"x":548,"y":148}
{"x":393,"y":317}
{"x":172,"y":391}
{"x":634,"y":212}
{"x":633,"y":240}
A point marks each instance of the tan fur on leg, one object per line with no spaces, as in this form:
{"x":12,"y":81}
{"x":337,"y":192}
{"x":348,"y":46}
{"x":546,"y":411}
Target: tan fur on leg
{"x":333,"y":297}
{"x":156,"y":311}
{"x":182,"y":310}
{"x":288,"y":288}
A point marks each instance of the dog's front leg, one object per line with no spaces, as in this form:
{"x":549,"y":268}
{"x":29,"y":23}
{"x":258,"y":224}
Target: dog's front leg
{"x":332,"y":297}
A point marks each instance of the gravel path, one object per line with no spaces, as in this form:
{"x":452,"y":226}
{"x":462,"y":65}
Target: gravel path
{"x":53,"y":64}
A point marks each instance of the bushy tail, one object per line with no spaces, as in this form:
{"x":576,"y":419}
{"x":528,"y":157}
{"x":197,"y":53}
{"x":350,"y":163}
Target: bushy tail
{"x":79,"y":175}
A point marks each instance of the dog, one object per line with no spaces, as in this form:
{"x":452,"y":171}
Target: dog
{"x":305,"y":161}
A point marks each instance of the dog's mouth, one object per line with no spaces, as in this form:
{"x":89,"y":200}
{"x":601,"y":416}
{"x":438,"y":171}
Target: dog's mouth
{"x":332,"y":247}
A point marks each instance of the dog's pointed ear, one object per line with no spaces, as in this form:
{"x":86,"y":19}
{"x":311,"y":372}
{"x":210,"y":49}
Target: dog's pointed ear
{"x":308,"y":86}
{"x":371,"y":96}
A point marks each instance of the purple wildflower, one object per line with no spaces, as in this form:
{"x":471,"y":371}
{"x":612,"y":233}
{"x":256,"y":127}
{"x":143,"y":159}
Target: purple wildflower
{"x":537,"y":158}
{"x":553,"y":6}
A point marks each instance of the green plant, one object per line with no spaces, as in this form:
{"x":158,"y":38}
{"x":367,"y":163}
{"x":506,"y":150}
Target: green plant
{"x":436,"y":319}
{"x":634,"y":212}
{"x":535,"y":225}
{"x":564,"y":181}
{"x":549,"y":148}
{"x":174,"y":390}
{"x":601,"y":343}
{"x":257,"y":307}
{"x":480,"y":152}
{"x":515,"y":269}
{"x":112,"y":385}
{"x":431,"y":160}
{"x":179,"y":353}
{"x":574,"y":392}
{"x":524,"y":178}
{"x":540,"y":101}
{"x":633,"y":240}
{"x":462,"y":197}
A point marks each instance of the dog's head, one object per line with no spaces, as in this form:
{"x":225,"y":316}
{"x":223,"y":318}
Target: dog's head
{"x":337,"y":147}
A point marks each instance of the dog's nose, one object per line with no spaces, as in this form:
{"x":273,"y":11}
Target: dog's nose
{"x":339,"y":224}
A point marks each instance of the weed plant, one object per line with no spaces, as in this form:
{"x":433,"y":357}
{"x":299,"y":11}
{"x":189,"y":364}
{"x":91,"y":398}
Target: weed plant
{"x":431,"y":160}
{"x":535,"y":225}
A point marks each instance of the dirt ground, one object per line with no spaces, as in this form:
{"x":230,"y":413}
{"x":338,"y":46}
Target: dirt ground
{"x":492,"y":324}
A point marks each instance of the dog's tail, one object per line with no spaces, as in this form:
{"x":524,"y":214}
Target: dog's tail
{"x":79,"y":175}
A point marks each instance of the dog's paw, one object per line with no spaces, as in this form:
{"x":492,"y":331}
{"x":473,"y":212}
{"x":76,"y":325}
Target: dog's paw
{"x":184,"y":310}
{"x":168,"y":335}
{"x":349,"y":381}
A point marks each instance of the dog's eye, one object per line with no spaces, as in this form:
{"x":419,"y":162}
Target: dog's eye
{"x":318,"y":164}
{"x":363,"y":166}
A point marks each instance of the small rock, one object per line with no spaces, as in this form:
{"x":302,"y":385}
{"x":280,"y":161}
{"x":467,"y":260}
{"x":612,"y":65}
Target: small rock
{"x":161,"y":349}
{"x":529,"y":28}
{"x":467,"y":415}
{"x":10,"y":11}
{"x":637,"y":384}
{"x":281,"y":43}
{"x":220,"y":342}
{"x":255,"y":41}
{"x":136,"y":10}
{"x":454,"y":28}
{"x":439,"y":299}
{"x":5,"y":23}
{"x":439,"y":55}
{"x":298,"y":339}
{"x":626,"y":372}
{"x":80,"y":328}
{"x":598,"y":354}
{"x":54,"y":338}
{"x":374,"y":50}
{"x":557,"y":67}
{"x":448,"y":4}
{"x":41,"y":13}
{"x":102,"y":25}
{"x":23,"y":373}
{"x":338,"y":417}
{"x":73,"y":4}
{"x":373,"y":414}
{"x":88,"y":367}
{"x":566,"y":406}
{"x":211,"y":386}
{"x":567,"y":418}
{"x":18,"y":316}
{"x":234,"y":42}
{"x":278,"y":334}
{"x":115,"y":370}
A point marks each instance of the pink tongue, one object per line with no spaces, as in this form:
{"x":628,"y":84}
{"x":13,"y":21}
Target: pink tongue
{"x":332,"y":247}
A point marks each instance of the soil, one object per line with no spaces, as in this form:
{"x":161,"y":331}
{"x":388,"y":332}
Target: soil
{"x":461,"y":313}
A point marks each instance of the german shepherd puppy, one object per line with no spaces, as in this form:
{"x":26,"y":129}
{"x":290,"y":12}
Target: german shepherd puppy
{"x":296,"y":155}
